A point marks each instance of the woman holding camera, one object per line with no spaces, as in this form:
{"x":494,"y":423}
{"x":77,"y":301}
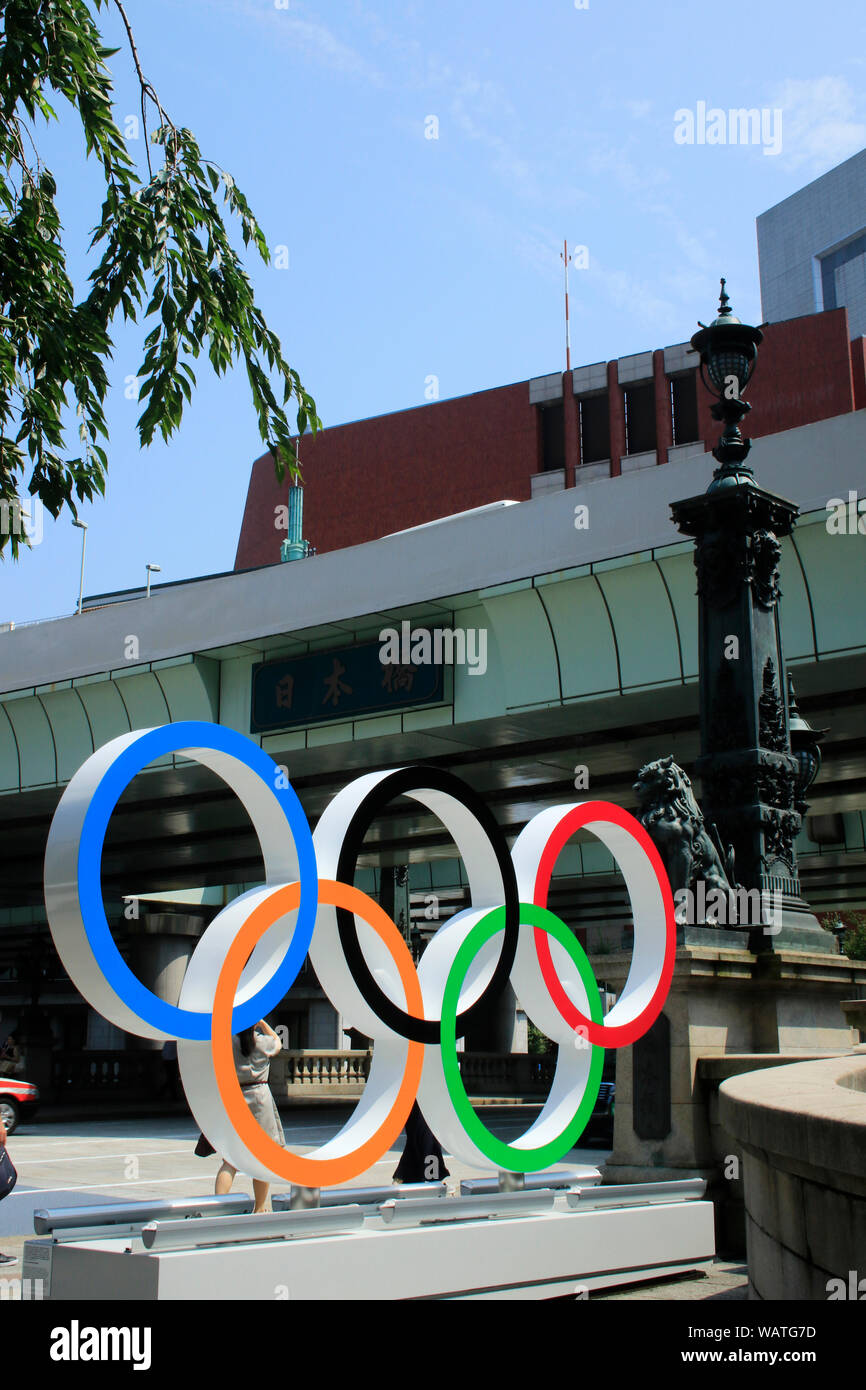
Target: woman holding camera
{"x":253,"y":1050}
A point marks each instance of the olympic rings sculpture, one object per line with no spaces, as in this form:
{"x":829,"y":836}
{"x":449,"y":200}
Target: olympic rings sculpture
{"x":249,"y":955}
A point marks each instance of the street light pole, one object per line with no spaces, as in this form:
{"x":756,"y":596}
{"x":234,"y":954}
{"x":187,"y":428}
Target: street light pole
{"x":749,"y":775}
{"x":82,"y":526}
{"x":151,"y":569}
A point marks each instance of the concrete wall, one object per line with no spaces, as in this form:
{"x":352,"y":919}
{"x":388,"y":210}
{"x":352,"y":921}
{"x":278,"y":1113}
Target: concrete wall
{"x":802,"y":1131}
{"x":372,"y":477}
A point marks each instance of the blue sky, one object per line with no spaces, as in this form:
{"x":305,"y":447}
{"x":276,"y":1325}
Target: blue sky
{"x":411,"y":257}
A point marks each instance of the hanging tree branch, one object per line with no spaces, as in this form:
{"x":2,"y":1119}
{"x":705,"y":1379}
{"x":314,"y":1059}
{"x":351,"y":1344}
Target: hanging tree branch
{"x":164,"y":251}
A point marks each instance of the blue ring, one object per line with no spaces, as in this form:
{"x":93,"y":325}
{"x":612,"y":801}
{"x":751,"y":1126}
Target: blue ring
{"x":154,"y":743}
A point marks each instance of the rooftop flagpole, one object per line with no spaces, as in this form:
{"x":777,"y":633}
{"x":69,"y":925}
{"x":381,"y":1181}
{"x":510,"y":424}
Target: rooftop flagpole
{"x":564,"y":257}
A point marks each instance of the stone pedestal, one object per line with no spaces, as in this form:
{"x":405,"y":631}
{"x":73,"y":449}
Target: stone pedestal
{"x":724,"y":999}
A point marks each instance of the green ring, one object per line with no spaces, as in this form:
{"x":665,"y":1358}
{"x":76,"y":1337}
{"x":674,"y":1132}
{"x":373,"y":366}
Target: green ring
{"x":504,"y":1155}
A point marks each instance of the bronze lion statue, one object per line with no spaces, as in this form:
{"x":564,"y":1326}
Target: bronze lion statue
{"x":672,"y":818}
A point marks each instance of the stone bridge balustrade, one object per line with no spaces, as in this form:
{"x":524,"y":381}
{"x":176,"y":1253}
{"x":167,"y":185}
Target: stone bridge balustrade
{"x":316,"y":1072}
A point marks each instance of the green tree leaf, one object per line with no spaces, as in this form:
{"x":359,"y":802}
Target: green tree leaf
{"x":164,"y":255}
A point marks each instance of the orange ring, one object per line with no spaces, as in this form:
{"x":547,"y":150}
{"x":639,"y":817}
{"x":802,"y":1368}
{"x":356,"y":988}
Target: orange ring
{"x":310,"y":1172}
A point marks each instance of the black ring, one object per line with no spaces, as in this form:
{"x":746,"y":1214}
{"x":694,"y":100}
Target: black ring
{"x":402,"y":782}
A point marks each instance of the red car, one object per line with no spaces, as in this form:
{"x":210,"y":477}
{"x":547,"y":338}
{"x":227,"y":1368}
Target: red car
{"x":17,"y":1099}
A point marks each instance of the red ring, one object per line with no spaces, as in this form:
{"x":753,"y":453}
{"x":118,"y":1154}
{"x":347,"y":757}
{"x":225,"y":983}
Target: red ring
{"x":620,"y":1035}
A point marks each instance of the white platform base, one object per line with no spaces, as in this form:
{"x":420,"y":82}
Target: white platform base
{"x":562,"y":1252}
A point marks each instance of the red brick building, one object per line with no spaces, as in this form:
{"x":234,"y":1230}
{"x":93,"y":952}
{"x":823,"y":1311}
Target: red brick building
{"x":371,"y":477}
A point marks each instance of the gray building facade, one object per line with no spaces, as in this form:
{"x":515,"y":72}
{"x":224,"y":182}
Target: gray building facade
{"x":812,"y":248}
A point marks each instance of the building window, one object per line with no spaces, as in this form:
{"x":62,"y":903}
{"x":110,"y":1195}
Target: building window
{"x":640,"y":418}
{"x":854,"y":249}
{"x":552,"y":437}
{"x":684,"y":408}
{"x":594,"y":429}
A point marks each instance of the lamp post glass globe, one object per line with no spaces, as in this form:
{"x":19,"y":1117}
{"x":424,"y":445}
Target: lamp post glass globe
{"x":809,"y":764}
{"x":728,"y":350}
{"x":805,"y":744}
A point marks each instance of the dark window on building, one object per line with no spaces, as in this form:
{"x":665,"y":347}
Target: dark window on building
{"x":552,"y":437}
{"x":594,"y":429}
{"x":640,"y":419}
{"x":830,"y":264}
{"x":684,"y":408}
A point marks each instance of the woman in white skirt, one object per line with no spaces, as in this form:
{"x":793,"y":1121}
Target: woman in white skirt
{"x":253,"y":1050}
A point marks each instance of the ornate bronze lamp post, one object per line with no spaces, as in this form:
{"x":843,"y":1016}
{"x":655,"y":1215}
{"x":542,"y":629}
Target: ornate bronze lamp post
{"x":751,"y":780}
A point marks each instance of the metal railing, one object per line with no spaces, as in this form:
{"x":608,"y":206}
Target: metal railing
{"x":14,"y":625}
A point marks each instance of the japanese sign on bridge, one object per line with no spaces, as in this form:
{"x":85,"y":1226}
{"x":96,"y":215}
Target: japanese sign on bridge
{"x":335,"y":684}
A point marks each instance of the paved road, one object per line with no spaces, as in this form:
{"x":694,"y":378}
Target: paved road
{"x":71,"y":1163}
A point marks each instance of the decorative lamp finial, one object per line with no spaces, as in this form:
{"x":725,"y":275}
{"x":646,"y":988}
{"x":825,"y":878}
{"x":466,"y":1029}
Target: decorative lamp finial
{"x":724,"y":301}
